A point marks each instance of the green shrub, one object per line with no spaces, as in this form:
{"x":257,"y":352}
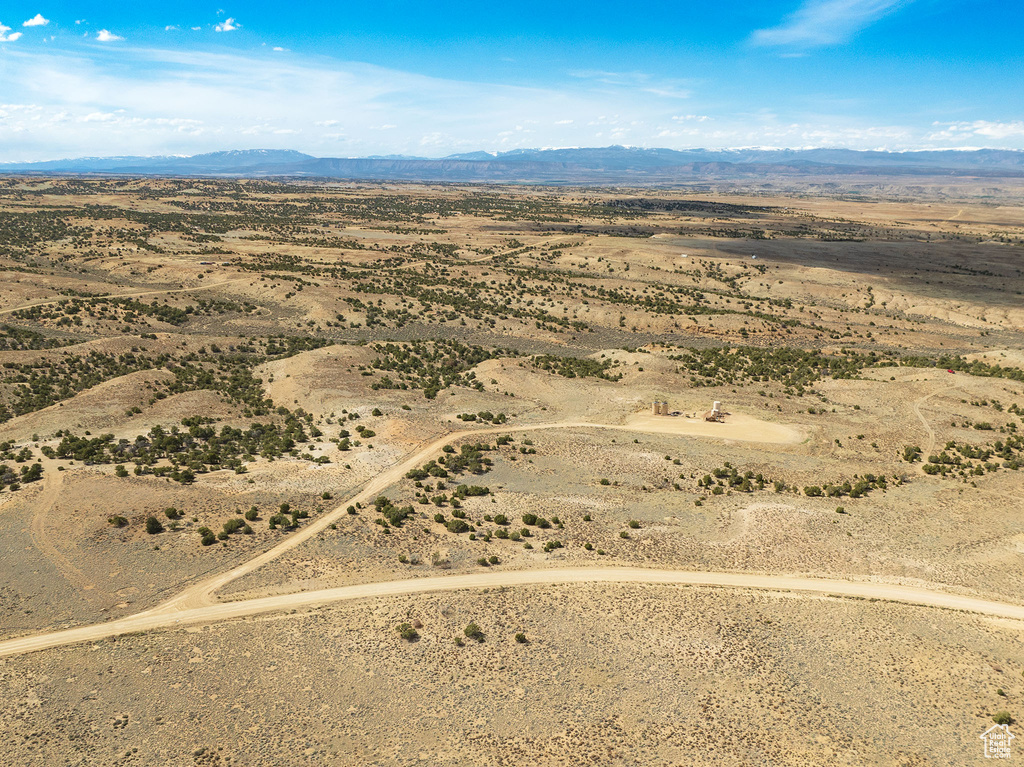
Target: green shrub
{"x":153,"y":526}
{"x":233,"y":525}
{"x":911,"y":453}
{"x":457,"y":526}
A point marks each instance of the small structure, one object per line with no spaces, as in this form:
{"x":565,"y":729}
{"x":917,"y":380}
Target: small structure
{"x":659,"y":408}
{"x":715,"y":414}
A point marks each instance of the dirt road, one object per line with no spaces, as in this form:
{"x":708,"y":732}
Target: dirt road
{"x":135,"y":294}
{"x":52,"y":483}
{"x":201,"y":593}
{"x":196,"y":603}
{"x":159,"y":619}
{"x":924,"y":422}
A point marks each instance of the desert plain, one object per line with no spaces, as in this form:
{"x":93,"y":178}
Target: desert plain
{"x":325,"y":473}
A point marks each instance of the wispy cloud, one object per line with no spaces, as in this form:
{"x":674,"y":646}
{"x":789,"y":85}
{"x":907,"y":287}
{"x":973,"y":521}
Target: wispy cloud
{"x":228,"y":25}
{"x":641,"y":81}
{"x":826,"y":22}
{"x":8,"y":38}
{"x":36,"y":21}
{"x":106,"y":36}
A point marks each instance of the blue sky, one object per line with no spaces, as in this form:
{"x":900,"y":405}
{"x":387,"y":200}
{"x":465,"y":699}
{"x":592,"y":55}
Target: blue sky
{"x":430,"y":79}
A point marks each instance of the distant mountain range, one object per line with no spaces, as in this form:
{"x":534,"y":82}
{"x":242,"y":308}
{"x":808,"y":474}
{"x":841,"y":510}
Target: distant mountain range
{"x":613,"y":164}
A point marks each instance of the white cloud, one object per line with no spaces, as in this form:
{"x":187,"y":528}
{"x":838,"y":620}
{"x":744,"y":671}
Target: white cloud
{"x":106,"y":36}
{"x":279,"y":49}
{"x":187,"y":102}
{"x":958,"y":131}
{"x":196,"y":29}
{"x":36,"y":21}
{"x":826,"y":22}
{"x":8,"y":38}
{"x":228,"y":25}
{"x":170,"y":28}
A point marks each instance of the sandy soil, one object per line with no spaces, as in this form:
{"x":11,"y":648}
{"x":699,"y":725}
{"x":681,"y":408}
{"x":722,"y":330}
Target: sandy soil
{"x":736,"y":426}
{"x":616,"y":675}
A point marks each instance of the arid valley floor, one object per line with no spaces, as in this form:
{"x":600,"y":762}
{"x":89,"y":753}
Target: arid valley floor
{"x":223,"y":403}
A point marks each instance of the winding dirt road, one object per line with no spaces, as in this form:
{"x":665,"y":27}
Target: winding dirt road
{"x":201,"y":593}
{"x":53,"y":480}
{"x":158,"y":619}
{"x":196,"y":604}
{"x":924,"y":422}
